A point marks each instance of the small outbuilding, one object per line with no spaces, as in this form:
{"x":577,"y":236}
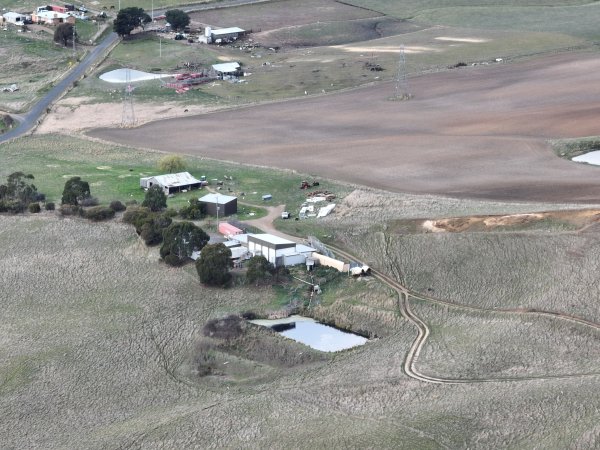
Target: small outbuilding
{"x":226,"y":204}
{"x":172,"y":183}
{"x":228,"y":230}
{"x":230,"y":69}
{"x":226,"y":34}
{"x":16,"y":18}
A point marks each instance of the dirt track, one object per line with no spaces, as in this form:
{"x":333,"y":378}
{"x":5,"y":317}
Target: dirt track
{"x":473,"y":132}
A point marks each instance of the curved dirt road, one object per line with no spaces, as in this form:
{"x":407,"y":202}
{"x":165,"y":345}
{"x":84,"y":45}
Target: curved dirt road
{"x":478,"y":132}
{"x":409,"y":367}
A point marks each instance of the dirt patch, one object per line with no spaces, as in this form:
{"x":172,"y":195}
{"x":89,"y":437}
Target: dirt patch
{"x":577,"y":219}
{"x":73,"y":114}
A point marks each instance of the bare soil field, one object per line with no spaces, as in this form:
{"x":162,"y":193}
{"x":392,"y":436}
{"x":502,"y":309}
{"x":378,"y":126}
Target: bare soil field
{"x":273,"y":15}
{"x":474,"y":132}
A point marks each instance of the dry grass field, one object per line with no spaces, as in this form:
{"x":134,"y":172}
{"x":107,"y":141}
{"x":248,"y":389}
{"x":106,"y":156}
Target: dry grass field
{"x":97,"y":352}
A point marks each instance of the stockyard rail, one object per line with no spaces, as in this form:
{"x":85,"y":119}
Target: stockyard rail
{"x":403,"y":305}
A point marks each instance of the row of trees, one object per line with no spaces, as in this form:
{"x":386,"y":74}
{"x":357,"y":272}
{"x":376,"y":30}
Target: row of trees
{"x":128,"y":19}
{"x":18,"y":193}
{"x":154,"y":225}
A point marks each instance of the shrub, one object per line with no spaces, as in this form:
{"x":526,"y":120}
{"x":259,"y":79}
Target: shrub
{"x":89,"y":201}
{"x":181,"y":239}
{"x":172,"y":260}
{"x":151,"y":233}
{"x":171,"y":164}
{"x":69,"y":210}
{"x":75,"y":191}
{"x":117,"y":206}
{"x":155,"y":199}
{"x":12,"y":206}
{"x":228,"y":327}
{"x":98,"y":213}
{"x":213,"y":265}
{"x":49,"y":206}
{"x":195,"y":211}
{"x":34,"y":208}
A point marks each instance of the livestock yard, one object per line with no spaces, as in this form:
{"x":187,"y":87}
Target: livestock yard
{"x":444,"y":135}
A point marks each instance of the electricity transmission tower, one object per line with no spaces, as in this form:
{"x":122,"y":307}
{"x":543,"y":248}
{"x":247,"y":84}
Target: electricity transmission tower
{"x":128,"y":117}
{"x":402,"y":90}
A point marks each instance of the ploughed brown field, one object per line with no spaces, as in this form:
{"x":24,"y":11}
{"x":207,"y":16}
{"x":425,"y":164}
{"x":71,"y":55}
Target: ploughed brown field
{"x":479,"y":131}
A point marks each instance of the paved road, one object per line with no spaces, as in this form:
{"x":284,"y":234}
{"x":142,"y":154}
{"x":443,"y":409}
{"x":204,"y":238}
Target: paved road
{"x":30,"y":119}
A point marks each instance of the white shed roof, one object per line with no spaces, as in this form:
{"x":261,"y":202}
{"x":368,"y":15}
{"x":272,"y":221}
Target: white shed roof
{"x":301,"y":248}
{"x":229,"y":30}
{"x":271,"y":239}
{"x":175,"y":179}
{"x":217,"y":198}
{"x":51,"y":15}
{"x":13,"y":15}
{"x":226,"y":67}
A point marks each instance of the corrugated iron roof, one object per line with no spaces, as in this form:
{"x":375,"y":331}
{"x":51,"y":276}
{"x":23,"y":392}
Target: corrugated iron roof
{"x":175,"y":179}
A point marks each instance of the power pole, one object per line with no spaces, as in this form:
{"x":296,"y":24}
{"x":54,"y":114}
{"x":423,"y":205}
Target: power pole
{"x":73,"y":40}
{"x":402,"y":90}
{"x":128,"y":118}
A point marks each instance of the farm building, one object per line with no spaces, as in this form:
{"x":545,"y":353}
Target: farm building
{"x":224,"y":34}
{"x":16,"y":18}
{"x":227,"y":69}
{"x":52,"y":18}
{"x":278,"y":251}
{"x":226,"y":204}
{"x":171,"y":183}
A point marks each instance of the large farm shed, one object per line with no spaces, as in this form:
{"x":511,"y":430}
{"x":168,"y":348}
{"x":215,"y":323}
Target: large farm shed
{"x":278,"y":251}
{"x":227,"y":204}
{"x":226,"y":33}
{"x":171,"y":183}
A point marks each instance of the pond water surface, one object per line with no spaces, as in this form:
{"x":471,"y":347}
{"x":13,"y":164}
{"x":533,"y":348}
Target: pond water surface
{"x":314,"y":334}
{"x":590,"y":158}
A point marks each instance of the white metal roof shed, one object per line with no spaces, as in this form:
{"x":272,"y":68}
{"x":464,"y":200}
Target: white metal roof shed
{"x":272,"y":239}
{"x":230,"y":30}
{"x":217,"y":198}
{"x":226,"y":67}
{"x":175,"y":179}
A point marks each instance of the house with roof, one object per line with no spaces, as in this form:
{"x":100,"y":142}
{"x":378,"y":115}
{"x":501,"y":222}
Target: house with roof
{"x":172,"y":183}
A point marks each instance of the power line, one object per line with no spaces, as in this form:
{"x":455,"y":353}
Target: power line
{"x":402,"y":89}
{"x":128,"y":117}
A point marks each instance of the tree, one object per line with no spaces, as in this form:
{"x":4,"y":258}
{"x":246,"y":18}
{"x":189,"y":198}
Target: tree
{"x":213,"y":265}
{"x":177,"y":18}
{"x":63,"y":33}
{"x":171,"y":163}
{"x":180,"y":240}
{"x":259,"y":269}
{"x":129,"y":19}
{"x":17,"y":188}
{"x":155,"y":198}
{"x":76,"y":190}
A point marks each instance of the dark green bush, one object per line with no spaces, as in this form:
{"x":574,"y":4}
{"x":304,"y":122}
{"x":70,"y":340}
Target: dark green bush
{"x":117,"y":206}
{"x":173,"y":260}
{"x":226,"y":328}
{"x":99,"y":213}
{"x":89,"y":201}
{"x":34,"y":208}
{"x":69,"y":210}
{"x":49,"y":206}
